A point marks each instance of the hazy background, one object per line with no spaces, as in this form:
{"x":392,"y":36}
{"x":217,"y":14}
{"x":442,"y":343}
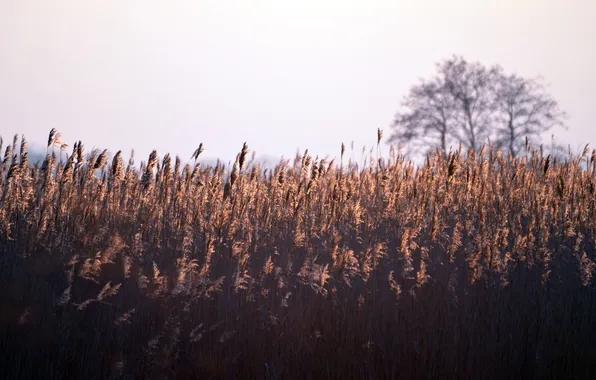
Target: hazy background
{"x":278,"y":74}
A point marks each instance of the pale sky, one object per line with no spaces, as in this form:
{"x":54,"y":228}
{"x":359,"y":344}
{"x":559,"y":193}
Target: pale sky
{"x":280,"y":75}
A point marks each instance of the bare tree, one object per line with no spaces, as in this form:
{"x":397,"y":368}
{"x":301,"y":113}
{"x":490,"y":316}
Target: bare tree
{"x":525,"y":111}
{"x":429,"y":122}
{"x":468,"y":104}
{"x":472,"y":88}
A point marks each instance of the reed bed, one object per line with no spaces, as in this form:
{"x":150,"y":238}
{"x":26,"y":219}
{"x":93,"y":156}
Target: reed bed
{"x":473,"y":265}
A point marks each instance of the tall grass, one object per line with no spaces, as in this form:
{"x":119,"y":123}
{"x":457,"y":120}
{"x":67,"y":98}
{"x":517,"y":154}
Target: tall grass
{"x":471,"y":266}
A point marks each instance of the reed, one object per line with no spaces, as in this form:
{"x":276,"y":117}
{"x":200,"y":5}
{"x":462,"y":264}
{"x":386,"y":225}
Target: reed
{"x":472,"y":265}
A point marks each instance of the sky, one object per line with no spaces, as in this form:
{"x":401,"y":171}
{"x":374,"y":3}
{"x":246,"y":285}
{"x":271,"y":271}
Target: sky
{"x":280,"y":75}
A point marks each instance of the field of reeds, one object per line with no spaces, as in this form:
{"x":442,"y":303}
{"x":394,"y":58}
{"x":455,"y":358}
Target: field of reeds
{"x":473,"y":265}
